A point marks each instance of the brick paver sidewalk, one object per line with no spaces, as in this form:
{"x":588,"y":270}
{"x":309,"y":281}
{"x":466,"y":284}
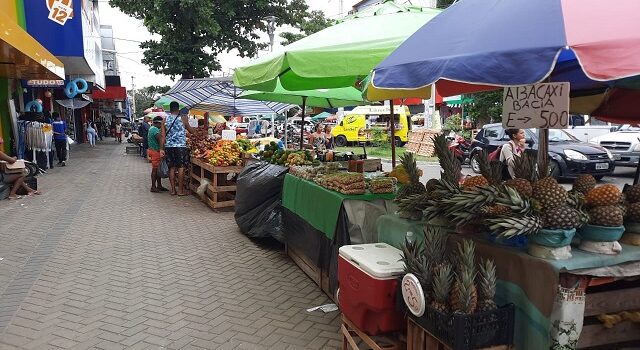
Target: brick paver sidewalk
{"x":98,"y":261}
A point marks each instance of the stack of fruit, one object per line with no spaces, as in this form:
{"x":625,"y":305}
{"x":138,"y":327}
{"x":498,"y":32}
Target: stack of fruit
{"x":274,"y":155}
{"x":382,"y":185}
{"x":306,"y":172}
{"x":345,"y":183}
{"x":451,"y":284}
{"x":225,"y":153}
{"x":632,"y":217}
{"x":200,"y":144}
{"x":606,"y":218}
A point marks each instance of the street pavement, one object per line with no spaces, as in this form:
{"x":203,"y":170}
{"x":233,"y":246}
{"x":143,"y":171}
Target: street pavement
{"x":99,"y":262}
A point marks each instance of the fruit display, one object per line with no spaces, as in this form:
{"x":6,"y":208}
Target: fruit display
{"x":451,"y":283}
{"x":306,"y":172}
{"x":472,"y":182}
{"x":200,"y":144}
{"x":345,"y":183}
{"x":382,"y":185}
{"x":408,"y":175}
{"x":274,"y":155}
{"x":584,"y":183}
{"x":224,"y":153}
{"x":246,"y":145}
{"x":606,"y":215}
{"x":604,"y":195}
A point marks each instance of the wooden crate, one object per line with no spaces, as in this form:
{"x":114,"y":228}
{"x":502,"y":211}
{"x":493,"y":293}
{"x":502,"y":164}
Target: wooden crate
{"x":420,"y":339}
{"x":221,"y":192}
{"x":352,"y":339}
{"x":317,"y":274}
{"x":610,"y":302}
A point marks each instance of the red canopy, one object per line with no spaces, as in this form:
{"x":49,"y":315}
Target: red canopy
{"x":116,"y":93}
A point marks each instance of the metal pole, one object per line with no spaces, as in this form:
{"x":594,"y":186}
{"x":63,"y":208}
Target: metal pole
{"x":543,"y":146}
{"x":393,"y":134}
{"x":304,"y":106}
{"x":133,"y":100}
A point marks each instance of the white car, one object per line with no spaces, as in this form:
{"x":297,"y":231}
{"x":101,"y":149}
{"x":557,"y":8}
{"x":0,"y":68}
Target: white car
{"x":624,"y":144}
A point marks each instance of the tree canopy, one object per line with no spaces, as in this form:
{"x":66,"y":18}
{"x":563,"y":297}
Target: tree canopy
{"x":146,"y":96}
{"x":193,"y":32}
{"x":314,"y":22}
{"x":485,"y":108}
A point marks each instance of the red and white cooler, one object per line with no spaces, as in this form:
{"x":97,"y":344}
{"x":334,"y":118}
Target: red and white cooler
{"x":368,"y":277}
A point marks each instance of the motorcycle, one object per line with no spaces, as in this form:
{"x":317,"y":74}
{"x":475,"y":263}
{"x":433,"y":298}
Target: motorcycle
{"x":461,"y":149}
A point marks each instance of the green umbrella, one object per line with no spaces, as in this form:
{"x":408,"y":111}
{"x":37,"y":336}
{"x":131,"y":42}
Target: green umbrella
{"x":163,"y":102}
{"x":337,"y":56}
{"x":325,"y":98}
{"x":320,"y":117}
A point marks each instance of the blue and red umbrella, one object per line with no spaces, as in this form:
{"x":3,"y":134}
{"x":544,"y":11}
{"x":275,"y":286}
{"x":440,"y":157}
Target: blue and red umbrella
{"x":478,"y":45}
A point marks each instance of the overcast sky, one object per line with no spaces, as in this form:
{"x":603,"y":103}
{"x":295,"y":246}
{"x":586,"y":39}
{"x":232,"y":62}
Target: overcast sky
{"x":129,"y":32}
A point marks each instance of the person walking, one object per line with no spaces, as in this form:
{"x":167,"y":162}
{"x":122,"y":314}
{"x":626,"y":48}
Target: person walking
{"x":60,"y":138}
{"x":174,"y":133}
{"x":143,"y":131}
{"x":118,"y":132}
{"x":156,"y":153}
{"x":92,"y":134}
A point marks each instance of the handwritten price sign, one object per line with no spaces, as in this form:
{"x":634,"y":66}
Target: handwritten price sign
{"x":60,"y":10}
{"x":543,"y":106}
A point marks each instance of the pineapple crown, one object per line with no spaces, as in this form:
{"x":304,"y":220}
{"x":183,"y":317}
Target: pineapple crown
{"x":466,"y":282}
{"x":442,"y":280}
{"x":466,"y":256}
{"x":451,"y":167}
{"x":435,"y":240}
{"x":491,"y":170}
{"x":408,"y":161}
{"x":487,"y":278}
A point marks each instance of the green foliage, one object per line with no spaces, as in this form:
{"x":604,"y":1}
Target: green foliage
{"x":146,"y":96}
{"x":453,"y":123}
{"x":314,"y":22}
{"x":194,"y":32}
{"x":379,"y":138}
{"x":485,"y":108}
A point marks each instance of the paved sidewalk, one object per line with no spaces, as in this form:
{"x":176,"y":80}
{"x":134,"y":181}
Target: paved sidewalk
{"x":98,"y":261}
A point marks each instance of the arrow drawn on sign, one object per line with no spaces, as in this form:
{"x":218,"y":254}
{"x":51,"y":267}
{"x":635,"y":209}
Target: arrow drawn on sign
{"x":525,"y":119}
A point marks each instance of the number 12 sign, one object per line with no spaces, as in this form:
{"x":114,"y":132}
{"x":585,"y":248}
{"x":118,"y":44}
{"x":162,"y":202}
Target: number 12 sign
{"x":60,"y":10}
{"x":543,"y":106}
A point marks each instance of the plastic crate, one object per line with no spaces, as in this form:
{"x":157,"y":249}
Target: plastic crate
{"x":465,"y":332}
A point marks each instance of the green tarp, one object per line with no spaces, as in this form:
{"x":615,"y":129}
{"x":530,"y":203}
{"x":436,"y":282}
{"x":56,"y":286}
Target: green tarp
{"x":317,"y":205}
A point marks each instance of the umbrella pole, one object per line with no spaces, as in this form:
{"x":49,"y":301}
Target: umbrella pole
{"x":393,"y":134}
{"x":637,"y":177}
{"x":304,"y":106}
{"x":543,"y":147}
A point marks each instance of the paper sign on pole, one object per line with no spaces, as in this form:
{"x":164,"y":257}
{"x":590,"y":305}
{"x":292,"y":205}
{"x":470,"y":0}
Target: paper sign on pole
{"x":543,"y":106}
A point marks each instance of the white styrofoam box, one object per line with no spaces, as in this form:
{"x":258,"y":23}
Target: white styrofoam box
{"x":379,"y":260}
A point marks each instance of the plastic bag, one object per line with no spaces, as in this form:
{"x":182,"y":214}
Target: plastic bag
{"x":257,"y":183}
{"x":163,"y":169}
{"x":263,"y":221}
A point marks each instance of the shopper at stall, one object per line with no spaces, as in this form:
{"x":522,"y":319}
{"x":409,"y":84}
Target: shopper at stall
{"x":328,"y":137}
{"x":510,"y":150}
{"x":143,"y":131}
{"x":92,"y":133}
{"x":16,"y":181}
{"x":60,"y":138}
{"x":175,"y":130}
{"x":317,"y":139}
{"x":156,"y":153}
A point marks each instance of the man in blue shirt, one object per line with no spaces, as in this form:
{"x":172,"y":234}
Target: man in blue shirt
{"x":60,"y":138}
{"x":174,"y":131}
{"x":143,"y":131}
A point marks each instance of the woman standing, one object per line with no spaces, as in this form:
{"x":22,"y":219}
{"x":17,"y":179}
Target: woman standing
{"x":317,"y":139}
{"x":510,"y":150}
{"x":118,"y":132}
{"x":92,"y":134}
{"x":328,"y":137}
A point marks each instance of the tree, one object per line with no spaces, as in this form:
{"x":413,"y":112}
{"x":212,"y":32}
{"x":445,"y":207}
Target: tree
{"x":485,"y":108}
{"x":314,"y":22}
{"x":146,"y":96}
{"x":194,"y":32}
{"x":443,"y":4}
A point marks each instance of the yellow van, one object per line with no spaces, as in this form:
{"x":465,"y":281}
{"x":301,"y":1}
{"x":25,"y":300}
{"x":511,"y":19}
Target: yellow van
{"x":357,"y":125}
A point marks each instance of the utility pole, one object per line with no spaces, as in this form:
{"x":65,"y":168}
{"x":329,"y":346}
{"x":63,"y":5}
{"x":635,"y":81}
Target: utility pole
{"x":133,"y":100}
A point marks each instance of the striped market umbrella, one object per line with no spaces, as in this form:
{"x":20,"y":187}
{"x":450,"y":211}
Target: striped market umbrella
{"x":219,"y":95}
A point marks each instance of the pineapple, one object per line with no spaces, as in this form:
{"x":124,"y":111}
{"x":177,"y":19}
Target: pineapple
{"x":471,"y":182}
{"x":606,"y":215}
{"x":604,"y":195}
{"x":633,"y":193}
{"x":633,"y":212}
{"x":432,"y":184}
{"x":442,"y":280}
{"x":521,"y":185}
{"x":524,"y":167}
{"x":487,"y":285}
{"x":491,"y":170}
{"x":414,"y":186}
{"x":584,"y":183}
{"x":563,"y":217}
{"x":464,"y":295}
{"x":549,"y":194}
{"x":507,"y":227}
{"x":451,"y":167}
{"x":496,"y":210}
{"x":412,"y":257}
{"x":411,"y":207}
{"x":435,"y":245}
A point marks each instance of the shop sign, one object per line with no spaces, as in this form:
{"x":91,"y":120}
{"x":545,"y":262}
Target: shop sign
{"x":60,"y":10}
{"x":413,"y":295}
{"x":53,"y":83}
{"x":542,"y":106}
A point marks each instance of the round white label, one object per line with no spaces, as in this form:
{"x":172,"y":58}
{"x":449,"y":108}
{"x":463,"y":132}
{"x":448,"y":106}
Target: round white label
{"x":413,"y":295}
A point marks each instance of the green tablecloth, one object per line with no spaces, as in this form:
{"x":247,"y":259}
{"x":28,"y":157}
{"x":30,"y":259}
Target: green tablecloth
{"x":317,"y":205}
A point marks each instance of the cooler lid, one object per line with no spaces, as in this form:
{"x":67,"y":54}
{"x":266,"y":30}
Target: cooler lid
{"x":377,"y":259}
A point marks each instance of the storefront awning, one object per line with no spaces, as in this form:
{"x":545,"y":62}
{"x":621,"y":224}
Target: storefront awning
{"x":116,"y":93}
{"x":22,"y":57}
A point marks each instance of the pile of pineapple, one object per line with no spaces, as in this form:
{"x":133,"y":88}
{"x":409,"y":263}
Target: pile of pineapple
{"x":631,"y":195}
{"x":451,"y":285}
{"x":605,"y":206}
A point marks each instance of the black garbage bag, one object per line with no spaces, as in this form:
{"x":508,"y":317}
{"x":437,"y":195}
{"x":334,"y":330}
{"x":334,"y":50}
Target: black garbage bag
{"x":256,"y":184}
{"x":263,"y":221}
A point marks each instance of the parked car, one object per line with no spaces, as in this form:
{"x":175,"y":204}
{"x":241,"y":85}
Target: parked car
{"x":569,"y":157}
{"x":624,"y":144}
